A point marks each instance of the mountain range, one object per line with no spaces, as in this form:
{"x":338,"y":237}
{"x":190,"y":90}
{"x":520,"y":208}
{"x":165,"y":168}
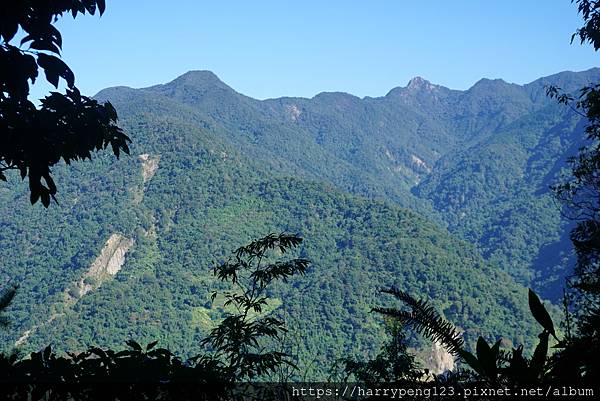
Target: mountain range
{"x":443,"y":193}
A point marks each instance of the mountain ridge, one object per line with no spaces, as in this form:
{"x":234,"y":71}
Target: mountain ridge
{"x":444,"y":195}
{"x":399,"y":146}
{"x":210,"y":76}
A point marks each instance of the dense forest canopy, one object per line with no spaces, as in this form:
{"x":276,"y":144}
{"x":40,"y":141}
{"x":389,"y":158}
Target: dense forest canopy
{"x":442,"y":200}
{"x":214,"y":168}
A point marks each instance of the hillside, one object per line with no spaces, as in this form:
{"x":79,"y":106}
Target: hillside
{"x":479,"y":162}
{"x":127,"y":253}
{"x":443,"y":193}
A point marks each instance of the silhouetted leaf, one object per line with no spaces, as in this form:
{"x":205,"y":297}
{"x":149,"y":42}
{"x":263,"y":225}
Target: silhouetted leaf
{"x":8,"y":29}
{"x":47,"y":352}
{"x":486,"y":358}
{"x":55,"y":68}
{"x":134,"y":345}
{"x":538,"y":360}
{"x":472,"y":361}
{"x":540,"y":313}
{"x":7,"y":295}
{"x":425,"y":320}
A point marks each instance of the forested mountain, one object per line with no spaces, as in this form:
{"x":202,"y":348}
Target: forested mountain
{"x":384,"y":190}
{"x":479,"y":161}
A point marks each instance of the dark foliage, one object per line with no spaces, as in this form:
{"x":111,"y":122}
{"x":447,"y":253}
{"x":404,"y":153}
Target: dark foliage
{"x":590,"y":31}
{"x":239,"y":339}
{"x":135,"y":373}
{"x":67,"y":126}
{"x":6,"y":296}
{"x":393,"y":364}
{"x":491,"y":365}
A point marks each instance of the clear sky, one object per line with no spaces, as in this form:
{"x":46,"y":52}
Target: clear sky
{"x":300,"y":48}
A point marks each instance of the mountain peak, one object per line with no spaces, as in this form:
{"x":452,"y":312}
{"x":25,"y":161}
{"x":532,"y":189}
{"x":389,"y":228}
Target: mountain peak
{"x":199,"y":78}
{"x":196,"y":86}
{"x":416,"y":85}
{"x":490,"y":83}
{"x":417,"y":82}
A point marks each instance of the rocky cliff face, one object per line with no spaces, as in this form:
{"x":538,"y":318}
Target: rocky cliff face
{"x":439,"y":360}
{"x":107,"y":264}
{"x":149,"y":166}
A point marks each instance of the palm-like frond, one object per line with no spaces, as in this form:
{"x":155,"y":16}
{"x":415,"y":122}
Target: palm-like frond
{"x":425,"y":320}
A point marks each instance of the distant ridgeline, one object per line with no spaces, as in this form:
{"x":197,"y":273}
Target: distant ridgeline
{"x":442,"y":193}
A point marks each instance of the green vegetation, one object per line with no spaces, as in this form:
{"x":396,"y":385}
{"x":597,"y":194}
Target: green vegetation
{"x":230,"y":168}
{"x":357,"y":245}
{"x":152,"y":372}
{"x":479,"y":161}
{"x":425,"y":191}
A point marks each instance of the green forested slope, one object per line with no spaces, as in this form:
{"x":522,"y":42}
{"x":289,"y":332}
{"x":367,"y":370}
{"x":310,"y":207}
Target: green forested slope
{"x":478,"y":161}
{"x":205,"y":199}
{"x":341,"y":171}
{"x":495,"y":190}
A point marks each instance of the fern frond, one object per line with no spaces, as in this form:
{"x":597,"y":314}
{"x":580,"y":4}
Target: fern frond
{"x":425,"y":320}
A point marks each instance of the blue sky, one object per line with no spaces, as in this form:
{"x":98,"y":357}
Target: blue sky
{"x":300,"y":48}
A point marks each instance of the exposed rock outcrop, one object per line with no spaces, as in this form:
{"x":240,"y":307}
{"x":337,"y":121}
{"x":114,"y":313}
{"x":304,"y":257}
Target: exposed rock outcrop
{"x":107,"y":264}
{"x":293,"y":111}
{"x":149,"y":166}
{"x":439,"y":360}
